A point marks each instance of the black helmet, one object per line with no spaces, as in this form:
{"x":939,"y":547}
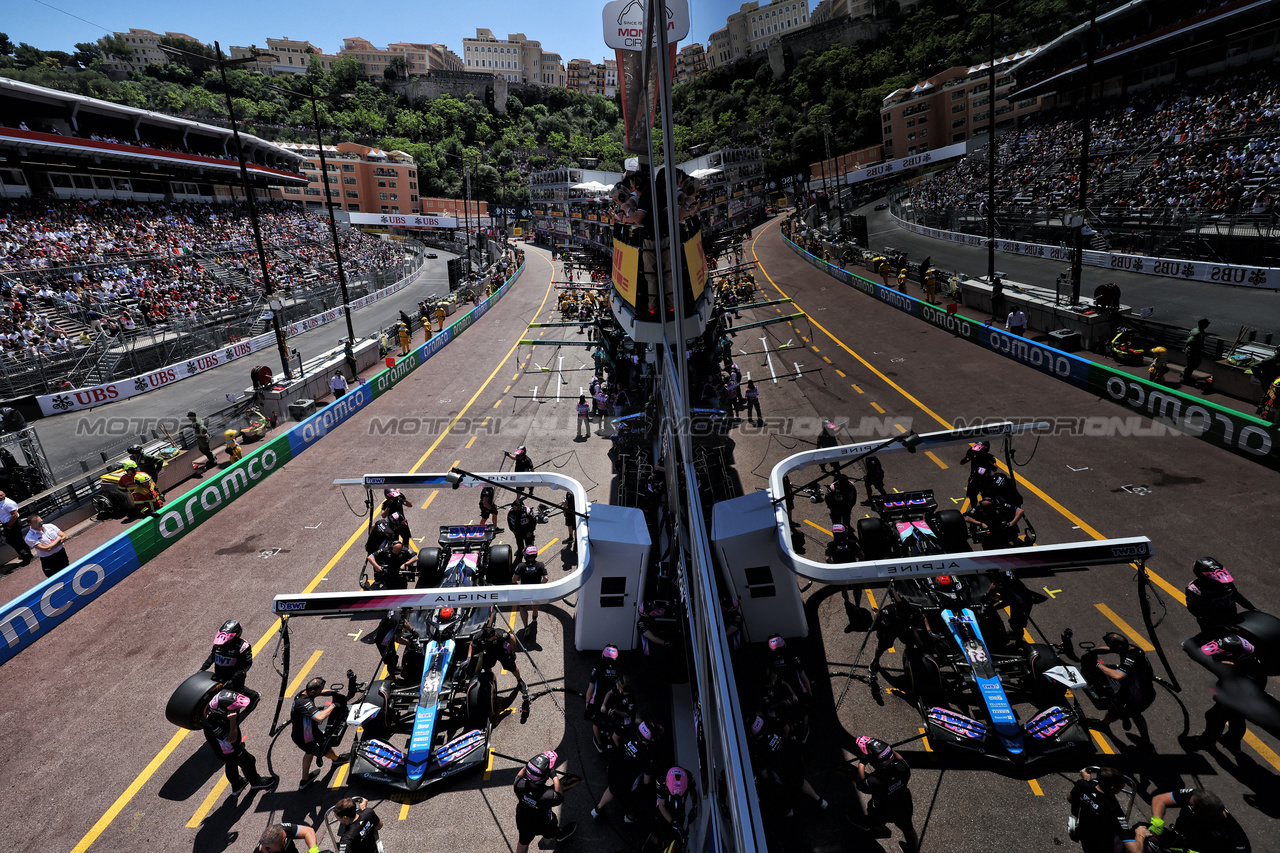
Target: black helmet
{"x":1209,"y":569}
{"x":228,"y":633}
{"x":875,"y":750}
{"x":135,"y":448}
{"x":540,"y":766}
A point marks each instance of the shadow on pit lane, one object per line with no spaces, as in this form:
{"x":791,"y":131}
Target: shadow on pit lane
{"x":192,"y":775}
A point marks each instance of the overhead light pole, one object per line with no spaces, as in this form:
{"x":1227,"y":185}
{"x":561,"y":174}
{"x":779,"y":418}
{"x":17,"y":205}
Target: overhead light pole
{"x":328,"y":203}
{"x":222,"y":63}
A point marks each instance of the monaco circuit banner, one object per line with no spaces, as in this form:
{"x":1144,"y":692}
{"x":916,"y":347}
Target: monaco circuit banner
{"x":1267,"y":278}
{"x":1227,"y":429}
{"x":40,"y":609}
{"x":122,"y":389}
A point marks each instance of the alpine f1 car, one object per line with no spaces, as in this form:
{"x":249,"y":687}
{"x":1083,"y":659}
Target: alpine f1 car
{"x":966,"y":688}
{"x":911,"y":525}
{"x":432,"y":693}
{"x":466,"y":545}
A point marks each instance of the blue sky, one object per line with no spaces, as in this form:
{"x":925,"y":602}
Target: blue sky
{"x":572,"y":29}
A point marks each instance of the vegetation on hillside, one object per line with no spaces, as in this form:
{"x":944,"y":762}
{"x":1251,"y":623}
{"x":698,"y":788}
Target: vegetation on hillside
{"x":839,"y":89}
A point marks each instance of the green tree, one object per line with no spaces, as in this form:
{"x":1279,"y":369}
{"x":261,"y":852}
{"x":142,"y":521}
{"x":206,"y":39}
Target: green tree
{"x":346,"y":73}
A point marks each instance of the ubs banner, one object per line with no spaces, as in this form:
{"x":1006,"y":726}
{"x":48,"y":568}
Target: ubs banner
{"x":45,"y":606}
{"x":1228,"y":429}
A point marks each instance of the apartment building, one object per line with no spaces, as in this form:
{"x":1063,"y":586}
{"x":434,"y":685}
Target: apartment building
{"x":419,"y":58}
{"x":950,"y":107}
{"x":361,"y":179}
{"x":753,"y":28}
{"x":690,"y":62}
{"x":592,"y":78}
{"x":517,"y":58}
{"x":291,"y":56}
{"x":146,"y":50}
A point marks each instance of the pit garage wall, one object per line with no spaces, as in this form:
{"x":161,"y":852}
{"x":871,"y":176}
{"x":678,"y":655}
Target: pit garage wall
{"x":1236,"y":432}
{"x":45,"y":606}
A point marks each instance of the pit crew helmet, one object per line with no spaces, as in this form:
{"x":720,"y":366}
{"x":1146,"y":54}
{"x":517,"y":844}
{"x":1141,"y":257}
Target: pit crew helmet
{"x":530,"y":554}
{"x":609,"y":652}
{"x":1230,"y":647}
{"x":651,"y":732}
{"x":838,"y":530}
{"x":652,"y":608}
{"x":540,"y":766}
{"x":980,"y":446}
{"x":129,"y":465}
{"x":1209,"y":569}
{"x":678,"y":781}
{"x":227,"y":701}
{"x":776,"y":643}
{"x":757,"y":725}
{"x":875,"y":750}
{"x":391,"y":493}
{"x":228,"y":633}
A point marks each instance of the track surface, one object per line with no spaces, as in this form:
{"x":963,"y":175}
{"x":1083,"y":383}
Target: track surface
{"x":90,"y":762}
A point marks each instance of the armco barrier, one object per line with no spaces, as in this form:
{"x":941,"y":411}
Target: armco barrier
{"x":43,"y":607}
{"x":1237,"y":432}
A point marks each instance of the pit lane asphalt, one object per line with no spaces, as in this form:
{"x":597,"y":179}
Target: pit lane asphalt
{"x":97,"y":685}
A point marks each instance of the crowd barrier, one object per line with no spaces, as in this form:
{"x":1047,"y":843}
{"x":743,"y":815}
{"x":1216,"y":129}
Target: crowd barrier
{"x":109,"y":392}
{"x":45,"y":606}
{"x":1265,"y":278}
{"x":1241,"y":434}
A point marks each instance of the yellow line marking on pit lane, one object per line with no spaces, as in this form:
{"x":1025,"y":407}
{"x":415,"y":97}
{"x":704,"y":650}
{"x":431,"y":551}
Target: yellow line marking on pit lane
{"x":145,"y":776}
{"x":925,"y":741}
{"x":471,"y":442}
{"x":817,"y":527}
{"x":404,"y":810}
{"x":840,"y":373}
{"x":815,"y":349}
{"x":515,"y":376}
{"x":899,"y":427}
{"x":548,"y":545}
{"x":876,"y":406}
{"x":505,"y":390}
{"x":488,"y":766}
{"x":871,"y":598}
{"x":1267,"y":753}
{"x":484,"y":422}
{"x":1138,"y":640}
{"x":497,"y":404}
{"x":339,"y":776}
{"x":1035,"y":787}
{"x":1101,"y":742}
{"x":856,"y":388}
{"x":936,"y":460}
{"x":824,"y":358}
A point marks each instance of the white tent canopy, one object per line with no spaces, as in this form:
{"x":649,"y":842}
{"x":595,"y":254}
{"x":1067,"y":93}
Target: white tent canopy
{"x":699,"y":174}
{"x":592,"y":187}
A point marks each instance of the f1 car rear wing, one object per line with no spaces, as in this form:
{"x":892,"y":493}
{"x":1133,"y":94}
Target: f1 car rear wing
{"x":1067,"y":555}
{"x":331,"y":603}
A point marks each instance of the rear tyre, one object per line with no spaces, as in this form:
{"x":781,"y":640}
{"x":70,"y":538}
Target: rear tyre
{"x":187,"y":706}
{"x":481,"y":695}
{"x":379,"y":694}
{"x":952,"y":532}
{"x":428,"y":566}
{"x":499,"y":571}
{"x":875,"y":543}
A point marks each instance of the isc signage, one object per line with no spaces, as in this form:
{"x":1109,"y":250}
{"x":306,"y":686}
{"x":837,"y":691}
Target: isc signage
{"x":624,"y":23}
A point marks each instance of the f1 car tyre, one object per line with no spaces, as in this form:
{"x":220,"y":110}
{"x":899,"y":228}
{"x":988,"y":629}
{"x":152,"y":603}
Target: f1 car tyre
{"x":1263,"y":630}
{"x":482,"y":694}
{"x":499,"y":570}
{"x":952,"y":533}
{"x":926,"y":679}
{"x":1042,"y":658}
{"x":428,"y":566}
{"x":187,"y":706}
{"x":871,"y":533}
{"x":379,"y":694}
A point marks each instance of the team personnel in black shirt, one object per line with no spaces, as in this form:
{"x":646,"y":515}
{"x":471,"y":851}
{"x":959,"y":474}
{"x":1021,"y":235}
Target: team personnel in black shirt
{"x":279,"y":838}
{"x":1132,"y":682}
{"x":222,"y":731}
{"x":231,"y":658}
{"x":617,"y":711}
{"x":1204,"y":825}
{"x":1100,"y":823}
{"x":529,"y":572}
{"x":791,"y":672}
{"x":1212,"y":597}
{"x":390,"y":565}
{"x":843,"y":548}
{"x":840,"y":498}
{"x":309,"y":732}
{"x":776,"y":758}
{"x":538,"y":791}
{"x":632,"y":769}
{"x":672,"y":806}
{"x":883,"y":774}
{"x":360,"y":825}
{"x":523,"y":525}
{"x":603,"y":676}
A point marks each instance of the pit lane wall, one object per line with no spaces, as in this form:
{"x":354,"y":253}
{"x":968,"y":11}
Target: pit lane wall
{"x":42,"y":608}
{"x":1233,"y":431}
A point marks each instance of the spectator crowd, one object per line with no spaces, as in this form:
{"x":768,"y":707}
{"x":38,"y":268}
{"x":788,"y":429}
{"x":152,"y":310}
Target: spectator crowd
{"x":1201,"y":146}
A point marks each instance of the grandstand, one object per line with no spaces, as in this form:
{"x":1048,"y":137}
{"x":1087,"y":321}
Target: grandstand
{"x":1184,"y":153}
{"x":123,"y":245}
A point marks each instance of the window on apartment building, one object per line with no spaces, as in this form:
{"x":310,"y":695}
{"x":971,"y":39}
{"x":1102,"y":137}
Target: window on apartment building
{"x":311,"y":191}
{"x":958,"y":108}
{"x":395,"y":209}
{"x":382,"y":196}
{"x":924,"y":131}
{"x":985,"y":99}
{"x":958,"y":122}
{"x":347,"y":167}
{"x":888,"y":143}
{"x":980,"y":117}
{"x":352,"y":194}
{"x":957,"y":94}
{"x":382,"y":183}
{"x":911,"y":122}
{"x":413,"y":198}
{"x":395,"y":197}
{"x":1004,"y":81}
{"x":385,"y":209}
{"x":349,"y":180}
{"x":981,"y":87}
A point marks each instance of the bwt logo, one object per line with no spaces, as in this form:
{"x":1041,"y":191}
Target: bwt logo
{"x":291,"y":606}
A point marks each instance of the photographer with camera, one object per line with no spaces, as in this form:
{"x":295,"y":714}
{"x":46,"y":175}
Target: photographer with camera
{"x":310,"y":732}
